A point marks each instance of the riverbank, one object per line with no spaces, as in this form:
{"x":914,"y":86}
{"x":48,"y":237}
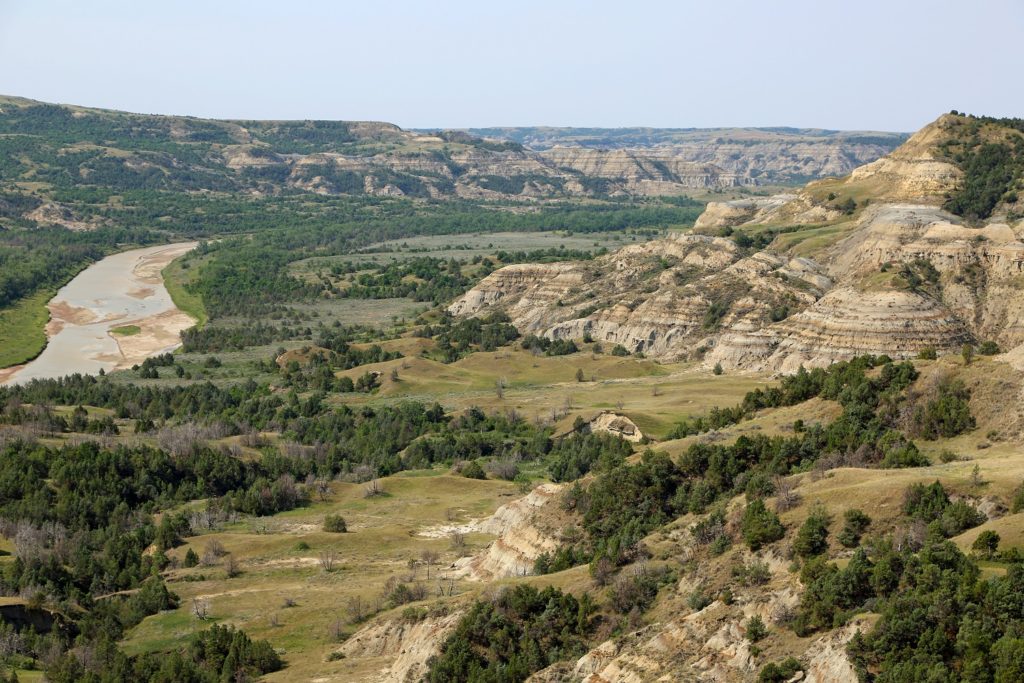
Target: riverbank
{"x":124,"y":289}
{"x":23,"y":330}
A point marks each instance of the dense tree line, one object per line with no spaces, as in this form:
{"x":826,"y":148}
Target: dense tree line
{"x":45,"y":258}
{"x":515,"y":184}
{"x":80,"y":519}
{"x":549,"y":347}
{"x":521,"y":631}
{"x":213,"y":338}
{"x":477,"y":435}
{"x":316,"y":370}
{"x":576,"y":455}
{"x":421,"y":279}
{"x":991,"y":164}
{"x":456,"y":339}
{"x":946,"y":413}
{"x":218,"y":654}
{"x":626,"y":502}
{"x":791,"y":390}
{"x":941,"y":621}
{"x":427,"y":278}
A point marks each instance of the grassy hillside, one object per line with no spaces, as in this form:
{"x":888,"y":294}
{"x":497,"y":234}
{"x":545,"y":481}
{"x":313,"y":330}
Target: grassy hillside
{"x":281,"y":576}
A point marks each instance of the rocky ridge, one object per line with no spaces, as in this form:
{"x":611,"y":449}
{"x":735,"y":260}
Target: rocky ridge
{"x":403,"y":647}
{"x":524,"y":529}
{"x":381,"y":159}
{"x":752,"y":155}
{"x":891,"y":272}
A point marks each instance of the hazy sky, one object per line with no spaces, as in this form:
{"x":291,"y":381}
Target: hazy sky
{"x":859,"y":64}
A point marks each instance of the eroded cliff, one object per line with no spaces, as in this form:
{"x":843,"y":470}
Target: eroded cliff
{"x":870,"y":263}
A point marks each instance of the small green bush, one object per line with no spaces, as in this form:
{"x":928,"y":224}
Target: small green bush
{"x":812,"y":537}
{"x":473,"y":470}
{"x":756,"y":630}
{"x":698,"y":600}
{"x":757,"y":573}
{"x":760,"y":526}
{"x":855,"y":523}
{"x":988,"y":348}
{"x":779,"y":672}
{"x":335,"y":524}
{"x":986,"y":544}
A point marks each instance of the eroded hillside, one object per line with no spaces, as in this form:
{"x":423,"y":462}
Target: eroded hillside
{"x":715,"y":591}
{"x":755,"y":154}
{"x":876,"y":262}
{"x":69,"y":145}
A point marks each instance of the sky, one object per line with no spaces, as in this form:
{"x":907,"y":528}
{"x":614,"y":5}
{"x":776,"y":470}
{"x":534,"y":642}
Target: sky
{"x":854,"y":65}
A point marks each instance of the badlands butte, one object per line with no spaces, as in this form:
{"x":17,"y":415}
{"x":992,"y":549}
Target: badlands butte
{"x":868,"y":264}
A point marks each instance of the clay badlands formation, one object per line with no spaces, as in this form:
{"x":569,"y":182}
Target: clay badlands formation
{"x":870,"y":263}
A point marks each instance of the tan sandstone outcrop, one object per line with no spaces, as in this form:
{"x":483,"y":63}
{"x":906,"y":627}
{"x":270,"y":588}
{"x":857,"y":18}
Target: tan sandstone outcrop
{"x":846,"y":323}
{"x":609,"y":422}
{"x":631,"y":298}
{"x":524,"y":529}
{"x":404,"y":647}
{"x":697,"y":295}
{"x":739,"y":211}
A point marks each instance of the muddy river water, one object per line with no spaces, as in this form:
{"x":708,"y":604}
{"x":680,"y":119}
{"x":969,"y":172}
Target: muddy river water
{"x":122,"y":290}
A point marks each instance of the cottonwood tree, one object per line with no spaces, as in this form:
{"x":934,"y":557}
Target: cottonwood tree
{"x":322,"y":487}
{"x":429,"y":558}
{"x":201,"y":608}
{"x":356,"y":609}
{"x":786,"y":497}
{"x":328,"y":558}
{"x":373,"y":488}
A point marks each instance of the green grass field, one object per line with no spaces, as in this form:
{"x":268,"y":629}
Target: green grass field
{"x":462,"y":247}
{"x":379,"y":313}
{"x":176,"y":275}
{"x":654,"y":395}
{"x":126,"y":330}
{"x":284,"y":594}
{"x":22,"y":329}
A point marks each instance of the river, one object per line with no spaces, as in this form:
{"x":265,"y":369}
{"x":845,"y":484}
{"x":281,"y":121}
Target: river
{"x":122,"y":290}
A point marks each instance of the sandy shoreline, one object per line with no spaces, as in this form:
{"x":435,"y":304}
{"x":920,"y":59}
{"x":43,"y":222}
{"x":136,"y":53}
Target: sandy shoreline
{"x":158,"y":333}
{"x":122,"y":289}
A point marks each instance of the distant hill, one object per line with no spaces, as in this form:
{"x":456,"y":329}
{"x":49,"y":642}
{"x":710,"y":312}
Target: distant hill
{"x":758,"y":155}
{"x":49,"y":145}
